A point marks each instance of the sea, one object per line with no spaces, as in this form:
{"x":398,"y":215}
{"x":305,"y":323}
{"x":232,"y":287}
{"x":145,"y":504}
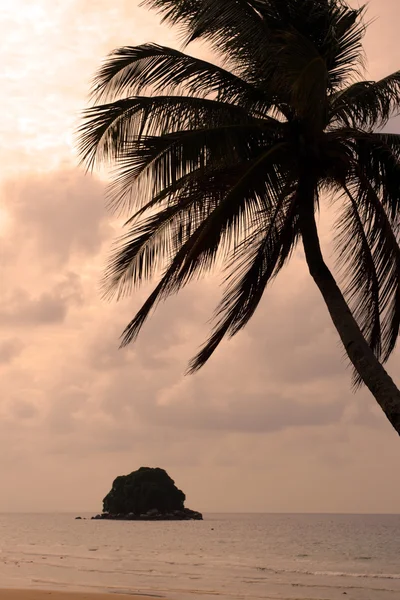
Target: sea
{"x":223,"y":557}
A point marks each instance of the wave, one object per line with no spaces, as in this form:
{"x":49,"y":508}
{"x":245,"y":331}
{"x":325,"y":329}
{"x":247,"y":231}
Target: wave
{"x":63,"y":555}
{"x":360,"y":575}
{"x":93,"y":564}
{"x":395,"y":576}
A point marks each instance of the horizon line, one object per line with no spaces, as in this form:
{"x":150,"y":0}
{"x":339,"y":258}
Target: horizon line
{"x":210,"y":512}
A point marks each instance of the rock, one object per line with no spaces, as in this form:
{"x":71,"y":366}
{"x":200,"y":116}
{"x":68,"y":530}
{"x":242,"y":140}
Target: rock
{"x":78,"y":518}
{"x":192,"y":514}
{"x":147,"y":494}
{"x":142,"y":491}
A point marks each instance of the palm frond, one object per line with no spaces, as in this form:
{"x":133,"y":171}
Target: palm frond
{"x":152,"y":163}
{"x":378,"y":158}
{"x":169,"y":283}
{"x":152,"y":241}
{"x":387,"y":261}
{"x":391,"y":141}
{"x":342,"y":44}
{"x":368,"y":104}
{"x":132,"y":70}
{"x":252,"y":194}
{"x":332,"y":31}
{"x":249,"y":31}
{"x":337,"y":156}
{"x":167,"y":195}
{"x":230,"y":25}
{"x":251,"y":191}
{"x":255,"y":263}
{"x":370,"y":255}
{"x":355,"y":247}
{"x":108,"y":128}
{"x":299,"y":77}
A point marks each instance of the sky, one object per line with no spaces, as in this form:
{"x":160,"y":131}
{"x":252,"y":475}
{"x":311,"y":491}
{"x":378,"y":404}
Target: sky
{"x":270,"y":424}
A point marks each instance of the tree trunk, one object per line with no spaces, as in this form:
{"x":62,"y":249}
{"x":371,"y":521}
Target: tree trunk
{"x":363,"y":359}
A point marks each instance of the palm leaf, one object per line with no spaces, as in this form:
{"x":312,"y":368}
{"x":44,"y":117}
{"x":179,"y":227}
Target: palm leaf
{"x":108,"y":128}
{"x":377,"y":157}
{"x":252,"y":194}
{"x":169,"y":282}
{"x":132,"y":70}
{"x":152,"y":163}
{"x":151,"y":242}
{"x":231,"y":25}
{"x":255,"y":263}
{"x":387,"y":261}
{"x":248,"y":31}
{"x":355,"y":246}
{"x":368,"y":104}
{"x":370,"y":260}
{"x":342,"y":44}
{"x":249,"y":194}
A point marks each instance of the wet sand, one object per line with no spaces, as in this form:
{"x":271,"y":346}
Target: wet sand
{"x":13,"y":594}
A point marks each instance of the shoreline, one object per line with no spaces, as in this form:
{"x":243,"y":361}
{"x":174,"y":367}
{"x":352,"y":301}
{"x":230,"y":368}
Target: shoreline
{"x":53,"y":594}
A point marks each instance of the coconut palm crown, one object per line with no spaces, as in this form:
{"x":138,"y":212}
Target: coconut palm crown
{"x":227,"y":163}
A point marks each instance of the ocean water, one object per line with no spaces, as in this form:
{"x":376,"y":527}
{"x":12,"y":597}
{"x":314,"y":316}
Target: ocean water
{"x":231,"y":557}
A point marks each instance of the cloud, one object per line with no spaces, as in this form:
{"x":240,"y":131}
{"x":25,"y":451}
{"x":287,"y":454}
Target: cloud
{"x":247,"y":412}
{"x":269,"y":424}
{"x":19,"y":309}
{"x":279,"y":373}
{"x":10,"y":349}
{"x":56,"y":216}
{"x":22,"y":410}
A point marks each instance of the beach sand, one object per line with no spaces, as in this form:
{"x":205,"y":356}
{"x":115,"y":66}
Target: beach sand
{"x":13,"y":594}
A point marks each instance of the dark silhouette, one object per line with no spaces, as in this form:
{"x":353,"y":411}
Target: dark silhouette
{"x":148,"y":493}
{"x":230,"y":164}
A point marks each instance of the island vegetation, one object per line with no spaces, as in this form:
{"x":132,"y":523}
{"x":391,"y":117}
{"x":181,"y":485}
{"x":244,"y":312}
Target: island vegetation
{"x":146,"y":494}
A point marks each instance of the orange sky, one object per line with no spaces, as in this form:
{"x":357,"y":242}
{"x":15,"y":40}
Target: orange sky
{"x":269,"y":424}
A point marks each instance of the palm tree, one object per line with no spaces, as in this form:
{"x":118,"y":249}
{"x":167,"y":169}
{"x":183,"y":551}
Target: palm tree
{"x":227,"y":164}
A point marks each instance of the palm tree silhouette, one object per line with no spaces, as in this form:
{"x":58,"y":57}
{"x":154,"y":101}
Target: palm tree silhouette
{"x":228,"y":165}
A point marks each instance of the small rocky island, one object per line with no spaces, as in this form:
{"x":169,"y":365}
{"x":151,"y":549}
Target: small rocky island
{"x":148,"y":494}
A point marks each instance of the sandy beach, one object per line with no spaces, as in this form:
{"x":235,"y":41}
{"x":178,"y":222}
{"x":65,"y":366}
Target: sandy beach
{"x":11,"y":594}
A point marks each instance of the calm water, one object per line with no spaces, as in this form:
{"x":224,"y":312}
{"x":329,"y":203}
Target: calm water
{"x":230,"y":556}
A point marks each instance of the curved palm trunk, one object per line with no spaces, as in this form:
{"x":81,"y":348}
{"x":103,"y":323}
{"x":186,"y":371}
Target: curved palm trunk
{"x":365,"y":362}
